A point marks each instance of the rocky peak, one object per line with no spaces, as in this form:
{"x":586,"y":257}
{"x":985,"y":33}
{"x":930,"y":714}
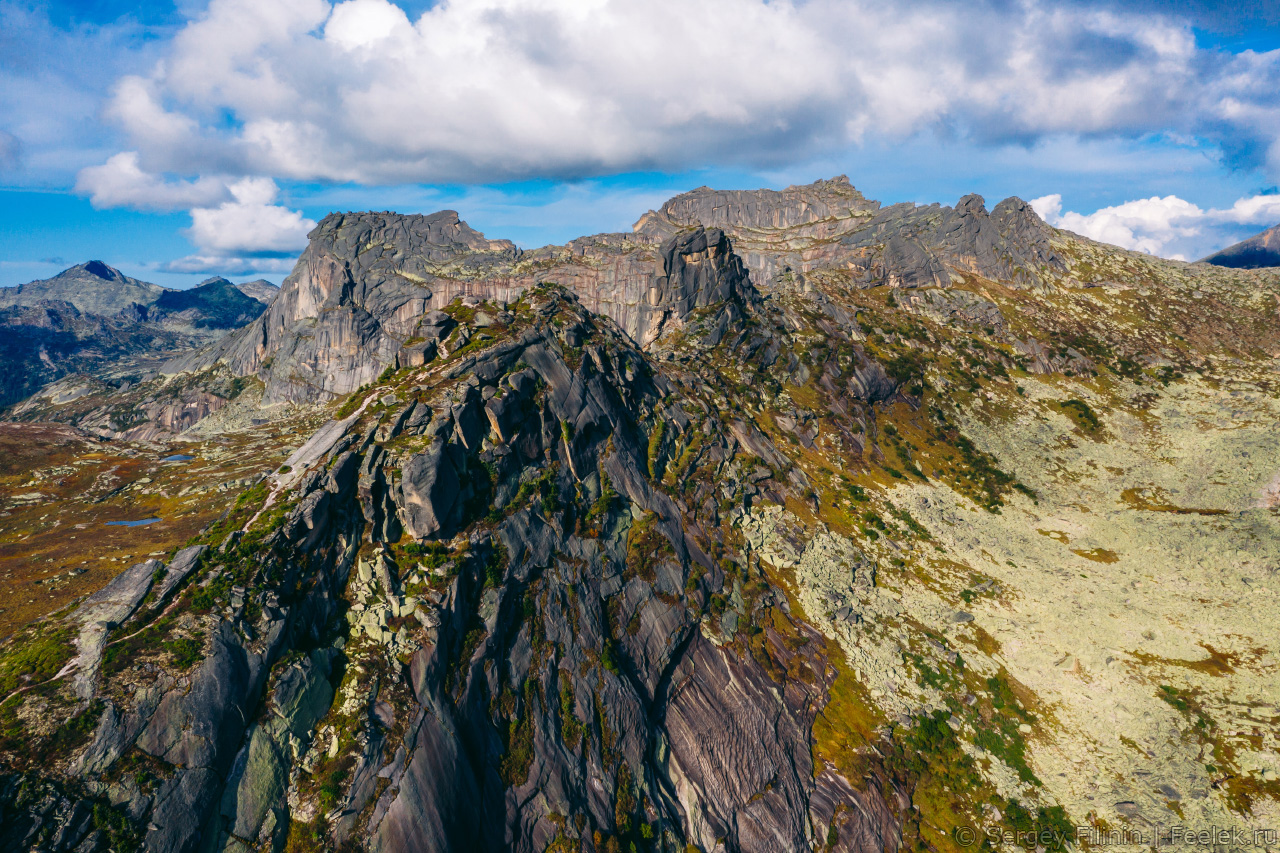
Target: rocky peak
{"x":361,"y":296}
{"x":697,"y":269}
{"x":214,"y":303}
{"x":759,"y":209}
{"x":784,"y":234}
{"x":102,"y":271}
{"x":259,"y":289}
{"x":1260,"y":250}
{"x":364,"y":238}
{"x":92,"y":287}
{"x":1011,"y":243}
{"x":971,"y":205}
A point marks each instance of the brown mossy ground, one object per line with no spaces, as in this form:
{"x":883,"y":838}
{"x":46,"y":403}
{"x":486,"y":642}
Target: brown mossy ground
{"x":59,"y":488}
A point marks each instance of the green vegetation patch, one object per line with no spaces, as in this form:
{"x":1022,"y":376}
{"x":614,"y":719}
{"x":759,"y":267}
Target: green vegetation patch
{"x":1001,"y":734}
{"x":1085,"y":419}
{"x":35,"y":656}
{"x":1046,"y":828}
{"x":655,"y":450}
{"x":544,"y":487}
{"x":517,"y":755}
{"x":186,"y":652}
{"x":647,"y":545}
{"x":990,"y":483}
{"x":123,"y":835}
{"x":600,"y":508}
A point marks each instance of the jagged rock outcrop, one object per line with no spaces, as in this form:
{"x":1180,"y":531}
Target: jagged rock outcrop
{"x":953,"y":306}
{"x":760,"y":210}
{"x":830,"y":225}
{"x":356,"y":301}
{"x":360,"y":298}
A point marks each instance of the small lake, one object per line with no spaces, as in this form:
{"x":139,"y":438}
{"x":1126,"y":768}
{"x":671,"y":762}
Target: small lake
{"x":139,"y":523}
{"x":178,"y":457}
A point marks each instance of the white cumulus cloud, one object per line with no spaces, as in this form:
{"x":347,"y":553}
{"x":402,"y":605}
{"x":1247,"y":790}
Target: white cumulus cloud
{"x":491,"y":90}
{"x":121,"y":182}
{"x":227,"y":265}
{"x":249,"y":233}
{"x":1170,"y":227}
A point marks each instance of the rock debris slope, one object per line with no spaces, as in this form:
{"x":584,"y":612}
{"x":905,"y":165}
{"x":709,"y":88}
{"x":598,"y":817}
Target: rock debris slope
{"x":785,"y":522}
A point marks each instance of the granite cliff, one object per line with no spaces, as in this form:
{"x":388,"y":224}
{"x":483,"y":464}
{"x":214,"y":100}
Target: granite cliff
{"x":361,"y":296}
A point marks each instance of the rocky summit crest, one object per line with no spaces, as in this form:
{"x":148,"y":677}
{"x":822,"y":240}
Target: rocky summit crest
{"x":366,"y":280}
{"x":362,"y":295}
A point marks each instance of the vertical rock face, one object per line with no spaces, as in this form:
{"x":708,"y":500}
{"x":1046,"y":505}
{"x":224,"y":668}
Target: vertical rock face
{"x":356,"y":294}
{"x":363,"y":289}
{"x":356,"y":302}
{"x":829,"y":224}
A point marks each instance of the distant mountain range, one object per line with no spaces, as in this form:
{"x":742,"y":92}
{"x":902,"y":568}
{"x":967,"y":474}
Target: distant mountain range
{"x":94,"y":319}
{"x":1260,"y":250}
{"x":96,"y":288}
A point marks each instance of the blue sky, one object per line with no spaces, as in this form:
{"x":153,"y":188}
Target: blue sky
{"x":182,"y":140}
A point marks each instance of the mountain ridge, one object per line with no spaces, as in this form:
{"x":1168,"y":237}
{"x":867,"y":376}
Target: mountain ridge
{"x":92,"y":287}
{"x":1260,"y":250}
{"x":94,"y":320}
{"x":417,"y":263}
{"x":844,"y":540}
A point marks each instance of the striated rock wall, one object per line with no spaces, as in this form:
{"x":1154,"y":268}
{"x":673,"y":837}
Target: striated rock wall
{"x":363,"y":288}
{"x":761,"y":209}
{"x":830,"y":225}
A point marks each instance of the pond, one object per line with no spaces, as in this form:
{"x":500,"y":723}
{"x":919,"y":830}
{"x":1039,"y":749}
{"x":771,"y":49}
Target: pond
{"x":137,"y":523}
{"x":178,"y":457}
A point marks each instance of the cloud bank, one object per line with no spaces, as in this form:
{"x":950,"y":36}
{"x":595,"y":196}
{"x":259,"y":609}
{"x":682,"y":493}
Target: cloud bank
{"x":494,"y":90}
{"x":120,"y":182}
{"x":1170,"y":226}
{"x":363,"y":93}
